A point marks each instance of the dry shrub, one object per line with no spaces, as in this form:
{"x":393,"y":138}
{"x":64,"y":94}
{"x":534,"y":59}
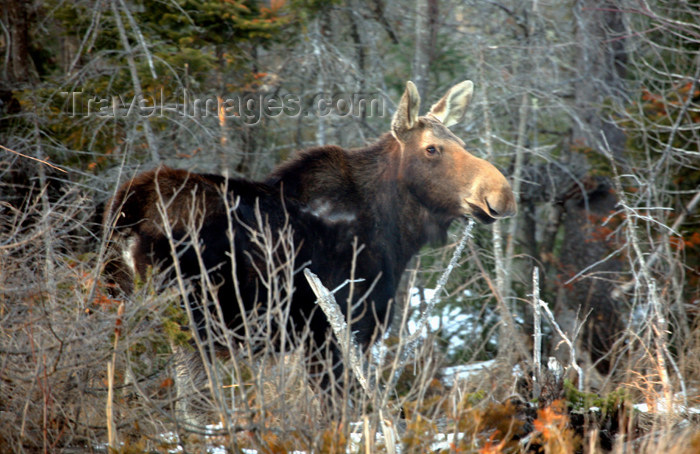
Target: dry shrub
{"x":51,"y":348}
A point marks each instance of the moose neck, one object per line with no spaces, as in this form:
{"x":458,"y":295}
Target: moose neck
{"x":403,"y":223}
{"x":364,"y":185}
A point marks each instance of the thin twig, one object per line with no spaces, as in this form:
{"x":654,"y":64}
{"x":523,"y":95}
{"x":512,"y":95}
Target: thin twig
{"x":33,"y":158}
{"x":658,"y":321}
{"x":689,"y":208}
{"x":139,"y":38}
{"x":569,"y":342}
{"x":138,"y":92}
{"x":537,"y":348}
{"x":112,"y":438}
{"x":412,"y":341}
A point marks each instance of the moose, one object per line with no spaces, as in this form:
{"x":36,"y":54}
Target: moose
{"x":360,"y":213}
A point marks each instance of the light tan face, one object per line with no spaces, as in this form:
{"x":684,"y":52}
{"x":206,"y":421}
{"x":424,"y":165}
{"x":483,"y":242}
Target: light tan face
{"x":439,"y":170}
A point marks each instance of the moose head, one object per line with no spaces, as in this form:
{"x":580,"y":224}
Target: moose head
{"x":437,"y":168}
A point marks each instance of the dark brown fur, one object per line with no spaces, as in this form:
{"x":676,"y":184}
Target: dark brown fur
{"x":390,"y":197}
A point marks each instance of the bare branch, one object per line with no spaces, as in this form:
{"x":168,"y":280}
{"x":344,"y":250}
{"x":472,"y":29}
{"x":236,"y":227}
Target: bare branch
{"x":138,"y":91}
{"x":33,"y":159}
{"x":537,"y":347}
{"x":340,"y":328}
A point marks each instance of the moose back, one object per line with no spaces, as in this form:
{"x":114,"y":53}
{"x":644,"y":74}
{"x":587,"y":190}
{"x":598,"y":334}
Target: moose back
{"x":360,"y":213}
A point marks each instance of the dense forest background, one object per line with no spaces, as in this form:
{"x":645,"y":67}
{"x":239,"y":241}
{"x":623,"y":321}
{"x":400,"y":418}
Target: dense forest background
{"x":591,"y":107}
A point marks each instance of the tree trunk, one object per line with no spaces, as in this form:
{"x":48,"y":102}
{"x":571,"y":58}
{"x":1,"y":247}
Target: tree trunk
{"x":426,"y":35}
{"x":587,"y":267}
{"x":601,"y":68}
{"x":18,"y":66}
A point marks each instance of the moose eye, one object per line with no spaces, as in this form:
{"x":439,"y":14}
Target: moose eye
{"x":431,"y":150}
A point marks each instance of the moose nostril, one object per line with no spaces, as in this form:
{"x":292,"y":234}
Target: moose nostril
{"x":493,"y":212}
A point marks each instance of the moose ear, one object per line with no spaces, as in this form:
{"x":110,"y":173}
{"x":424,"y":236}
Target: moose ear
{"x":406,"y":115}
{"x":451,"y":108}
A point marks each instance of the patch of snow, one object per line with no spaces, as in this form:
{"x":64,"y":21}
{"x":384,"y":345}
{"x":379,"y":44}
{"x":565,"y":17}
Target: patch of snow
{"x":355,"y":444}
{"x":662,"y":407}
{"x":456,"y":325}
{"x":445,"y":441}
{"x":465,"y":371}
{"x":440,"y":442}
{"x":217,"y":450}
{"x":644,"y":408}
{"x":677,"y":406}
{"x":517,"y":371}
{"x":171,"y":438}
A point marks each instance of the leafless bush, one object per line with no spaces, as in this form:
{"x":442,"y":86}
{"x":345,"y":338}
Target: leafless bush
{"x":51,"y":347}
